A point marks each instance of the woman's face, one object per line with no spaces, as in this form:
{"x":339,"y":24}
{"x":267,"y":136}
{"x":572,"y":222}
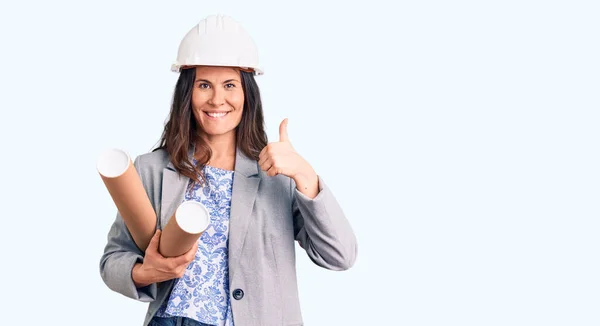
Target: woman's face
{"x":217,"y":100}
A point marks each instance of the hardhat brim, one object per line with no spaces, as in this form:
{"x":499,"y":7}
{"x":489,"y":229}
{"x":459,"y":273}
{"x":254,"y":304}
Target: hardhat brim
{"x":178,"y":67}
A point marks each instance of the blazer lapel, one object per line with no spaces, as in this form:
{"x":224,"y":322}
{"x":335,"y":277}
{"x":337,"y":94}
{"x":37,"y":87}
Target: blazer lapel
{"x":172,"y":192}
{"x":245,"y":187}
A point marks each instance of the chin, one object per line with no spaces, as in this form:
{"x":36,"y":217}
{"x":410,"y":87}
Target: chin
{"x":218,"y":132}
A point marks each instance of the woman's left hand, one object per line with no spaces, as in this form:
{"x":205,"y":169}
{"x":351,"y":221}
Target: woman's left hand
{"x":281,"y":158}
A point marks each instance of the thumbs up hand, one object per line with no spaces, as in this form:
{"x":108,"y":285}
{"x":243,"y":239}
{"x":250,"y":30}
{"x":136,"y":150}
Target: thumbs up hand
{"x":281,"y":158}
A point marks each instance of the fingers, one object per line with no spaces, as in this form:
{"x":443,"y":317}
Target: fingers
{"x":153,"y":245}
{"x":155,"y":238}
{"x":167,"y":268}
{"x":266,"y":154}
{"x":272,"y":171}
{"x":266,"y":164}
{"x":283,"y":136}
{"x":271,"y":164}
{"x":191,"y":254}
{"x":262,"y":158}
{"x":269,"y":150}
{"x":184,"y":260}
{"x":187,"y":257}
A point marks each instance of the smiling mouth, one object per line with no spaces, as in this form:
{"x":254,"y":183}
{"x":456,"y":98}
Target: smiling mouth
{"x":216,"y":115}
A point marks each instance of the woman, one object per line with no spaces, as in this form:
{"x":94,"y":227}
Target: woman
{"x":261,"y":197}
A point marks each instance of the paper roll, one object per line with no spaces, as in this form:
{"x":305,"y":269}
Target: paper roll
{"x":183,"y":229}
{"x":125,"y":187}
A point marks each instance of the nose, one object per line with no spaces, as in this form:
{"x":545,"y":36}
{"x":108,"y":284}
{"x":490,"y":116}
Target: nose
{"x":217,"y":98}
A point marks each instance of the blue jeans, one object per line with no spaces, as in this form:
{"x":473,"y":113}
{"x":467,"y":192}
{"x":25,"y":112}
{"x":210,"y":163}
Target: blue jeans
{"x":175,"y":321}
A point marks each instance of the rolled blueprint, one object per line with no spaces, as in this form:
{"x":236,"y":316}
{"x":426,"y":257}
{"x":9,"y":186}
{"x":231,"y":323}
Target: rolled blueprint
{"x":125,"y":187}
{"x":183,"y":229}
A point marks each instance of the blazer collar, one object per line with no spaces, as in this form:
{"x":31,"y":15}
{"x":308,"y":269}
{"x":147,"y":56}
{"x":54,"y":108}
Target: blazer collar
{"x":246,"y":181}
{"x":245,"y":187}
{"x":243,"y":164}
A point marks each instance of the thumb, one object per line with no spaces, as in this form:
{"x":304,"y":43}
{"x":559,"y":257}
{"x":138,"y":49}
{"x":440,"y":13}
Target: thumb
{"x":154,"y":241}
{"x":283,"y":136}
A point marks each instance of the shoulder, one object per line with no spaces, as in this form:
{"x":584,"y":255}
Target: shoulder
{"x":152,"y":163}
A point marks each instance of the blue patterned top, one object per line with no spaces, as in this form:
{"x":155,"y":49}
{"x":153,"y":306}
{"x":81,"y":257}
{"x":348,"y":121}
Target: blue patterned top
{"x":202,"y":293}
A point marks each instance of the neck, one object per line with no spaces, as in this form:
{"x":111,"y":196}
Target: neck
{"x":223,"y":149}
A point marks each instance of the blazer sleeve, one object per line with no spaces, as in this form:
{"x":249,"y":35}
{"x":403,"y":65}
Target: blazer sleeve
{"x":322,"y":229}
{"x":120,"y":255}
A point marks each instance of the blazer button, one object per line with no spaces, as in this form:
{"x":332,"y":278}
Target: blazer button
{"x":238,"y":294}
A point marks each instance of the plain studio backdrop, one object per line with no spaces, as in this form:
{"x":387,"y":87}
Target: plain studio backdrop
{"x":461,"y":139}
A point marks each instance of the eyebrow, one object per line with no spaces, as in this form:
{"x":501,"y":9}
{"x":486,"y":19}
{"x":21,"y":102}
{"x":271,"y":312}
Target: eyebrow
{"x":208,"y":82}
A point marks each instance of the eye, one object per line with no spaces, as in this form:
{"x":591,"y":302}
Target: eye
{"x":204,"y":85}
{"x":229,"y":85}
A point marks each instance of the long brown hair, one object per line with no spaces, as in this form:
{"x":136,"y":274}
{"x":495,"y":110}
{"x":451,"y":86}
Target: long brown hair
{"x":181,"y":131}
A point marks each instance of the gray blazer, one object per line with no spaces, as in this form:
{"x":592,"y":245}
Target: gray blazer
{"x":267,"y":215}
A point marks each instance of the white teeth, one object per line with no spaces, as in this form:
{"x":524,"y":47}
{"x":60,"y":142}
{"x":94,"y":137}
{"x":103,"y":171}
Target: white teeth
{"x":217,"y":114}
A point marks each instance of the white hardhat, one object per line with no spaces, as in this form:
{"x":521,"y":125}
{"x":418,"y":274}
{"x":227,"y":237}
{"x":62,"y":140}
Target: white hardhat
{"x":218,"y":40}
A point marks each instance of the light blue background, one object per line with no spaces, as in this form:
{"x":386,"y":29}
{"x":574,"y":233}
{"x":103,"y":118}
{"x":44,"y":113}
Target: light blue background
{"x":461,"y":139}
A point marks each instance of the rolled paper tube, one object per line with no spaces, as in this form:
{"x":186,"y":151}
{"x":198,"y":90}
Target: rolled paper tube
{"x":183,"y":229}
{"x":125,"y":187}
